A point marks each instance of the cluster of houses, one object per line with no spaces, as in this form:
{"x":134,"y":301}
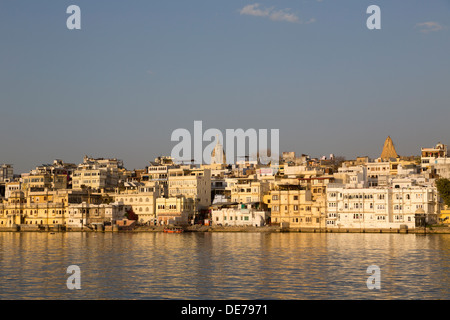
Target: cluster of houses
{"x":297,"y":192}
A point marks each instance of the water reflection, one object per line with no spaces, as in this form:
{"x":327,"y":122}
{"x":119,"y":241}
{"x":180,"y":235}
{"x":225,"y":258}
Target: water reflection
{"x":289,"y":266}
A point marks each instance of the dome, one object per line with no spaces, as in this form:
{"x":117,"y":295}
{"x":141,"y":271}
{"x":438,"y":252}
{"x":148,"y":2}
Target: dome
{"x":420,"y":211}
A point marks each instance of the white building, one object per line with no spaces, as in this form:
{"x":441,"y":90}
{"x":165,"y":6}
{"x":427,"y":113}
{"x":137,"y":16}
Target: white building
{"x":379,"y":207}
{"x":354,"y":177}
{"x":377,"y":172}
{"x":433,"y":156}
{"x":239,"y":215}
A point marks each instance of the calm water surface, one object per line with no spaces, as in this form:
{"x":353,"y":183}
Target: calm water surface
{"x":288,"y":266}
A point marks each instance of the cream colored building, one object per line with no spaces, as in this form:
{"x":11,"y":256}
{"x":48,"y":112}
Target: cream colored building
{"x":243,"y":190}
{"x":85,"y":214}
{"x":142,"y":201}
{"x":191,"y":183}
{"x":98,"y":174}
{"x":10,"y":187}
{"x":175,"y":210}
{"x":292,"y":206}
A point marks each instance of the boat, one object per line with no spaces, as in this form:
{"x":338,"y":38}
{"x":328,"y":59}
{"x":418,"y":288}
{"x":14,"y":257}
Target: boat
{"x":175,"y":230}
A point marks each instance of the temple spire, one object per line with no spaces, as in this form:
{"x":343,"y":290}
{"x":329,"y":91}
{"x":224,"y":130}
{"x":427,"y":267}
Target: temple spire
{"x":388,"y":150}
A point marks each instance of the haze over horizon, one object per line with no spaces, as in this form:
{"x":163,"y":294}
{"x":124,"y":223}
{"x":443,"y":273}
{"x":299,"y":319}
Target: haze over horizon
{"x":138,"y":70}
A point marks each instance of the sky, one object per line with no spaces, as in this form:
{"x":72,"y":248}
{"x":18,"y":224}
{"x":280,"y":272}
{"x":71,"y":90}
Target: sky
{"x":139,"y":69}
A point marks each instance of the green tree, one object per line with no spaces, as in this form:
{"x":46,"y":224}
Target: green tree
{"x":443,"y":187}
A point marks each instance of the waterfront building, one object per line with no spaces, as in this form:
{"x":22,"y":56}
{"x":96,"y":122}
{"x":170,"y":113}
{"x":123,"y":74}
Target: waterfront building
{"x":292,"y":206}
{"x":177,"y":210}
{"x":380,"y":207}
{"x":84,"y":214}
{"x":141,"y":200}
{"x":235,"y":214}
{"x":43,"y":208}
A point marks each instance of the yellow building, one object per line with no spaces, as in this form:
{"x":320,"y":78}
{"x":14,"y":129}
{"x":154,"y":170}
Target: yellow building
{"x":395,"y":163}
{"x":246,"y":191}
{"x":42,"y":208}
{"x":292,"y":206}
{"x":44,"y":181}
{"x":175,"y":210}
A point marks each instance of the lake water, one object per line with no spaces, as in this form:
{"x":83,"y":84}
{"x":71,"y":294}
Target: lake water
{"x":206,"y":266}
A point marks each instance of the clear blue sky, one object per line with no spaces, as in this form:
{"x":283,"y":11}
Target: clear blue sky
{"x":137,"y":70}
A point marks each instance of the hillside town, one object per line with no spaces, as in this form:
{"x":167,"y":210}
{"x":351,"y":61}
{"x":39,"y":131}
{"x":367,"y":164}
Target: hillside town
{"x":328,"y":193}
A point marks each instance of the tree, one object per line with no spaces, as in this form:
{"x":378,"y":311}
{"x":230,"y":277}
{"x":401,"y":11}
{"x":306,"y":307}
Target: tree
{"x":337,"y":161}
{"x":130,"y":215}
{"x":443,"y":187}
